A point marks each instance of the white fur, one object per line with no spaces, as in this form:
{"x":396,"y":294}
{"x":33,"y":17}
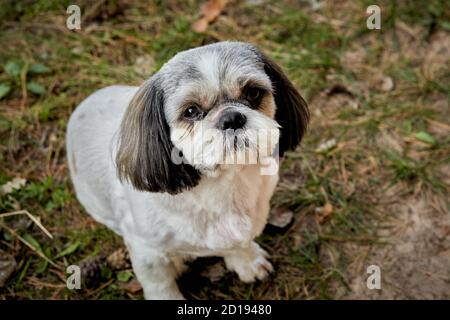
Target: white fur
{"x":206,"y":146}
{"x":220,"y":216}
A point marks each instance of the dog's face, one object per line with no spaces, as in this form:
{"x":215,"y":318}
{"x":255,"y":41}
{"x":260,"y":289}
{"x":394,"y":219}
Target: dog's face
{"x":218,"y":104}
{"x":211,"y":106}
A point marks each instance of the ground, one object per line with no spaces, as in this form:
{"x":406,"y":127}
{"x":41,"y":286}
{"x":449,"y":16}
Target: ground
{"x":368,"y":186}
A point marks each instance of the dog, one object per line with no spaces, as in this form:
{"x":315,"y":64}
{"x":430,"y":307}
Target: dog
{"x":157,"y":163}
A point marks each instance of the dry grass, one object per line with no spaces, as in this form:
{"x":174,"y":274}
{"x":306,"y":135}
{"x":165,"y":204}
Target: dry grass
{"x":382,"y":95}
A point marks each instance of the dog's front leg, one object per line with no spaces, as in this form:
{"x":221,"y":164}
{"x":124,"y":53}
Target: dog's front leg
{"x":250,"y":262}
{"x":156,"y":275}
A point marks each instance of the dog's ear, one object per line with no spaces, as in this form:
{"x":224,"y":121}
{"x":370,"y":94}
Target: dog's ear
{"x":144,"y":152}
{"x":292,"y":111}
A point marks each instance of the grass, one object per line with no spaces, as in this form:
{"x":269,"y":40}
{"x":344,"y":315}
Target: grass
{"x":50,"y":69}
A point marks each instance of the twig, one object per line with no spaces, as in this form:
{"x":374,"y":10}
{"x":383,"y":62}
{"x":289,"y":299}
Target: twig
{"x":101,"y":287}
{"x":36,"y":282}
{"x":349,"y":238}
{"x":14,"y":233}
{"x":23,"y":84}
{"x":33,"y":218}
{"x":40,"y":254}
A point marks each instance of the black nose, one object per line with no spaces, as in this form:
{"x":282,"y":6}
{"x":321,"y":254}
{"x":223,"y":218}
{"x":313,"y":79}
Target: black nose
{"x":232,"y":120}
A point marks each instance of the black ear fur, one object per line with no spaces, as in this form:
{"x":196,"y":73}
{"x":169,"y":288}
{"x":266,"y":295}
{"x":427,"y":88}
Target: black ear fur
{"x":292,"y":111}
{"x":144,"y":153}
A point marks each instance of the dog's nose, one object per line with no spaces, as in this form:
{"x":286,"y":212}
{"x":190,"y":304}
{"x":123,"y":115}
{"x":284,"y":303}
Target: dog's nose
{"x":232,"y":120}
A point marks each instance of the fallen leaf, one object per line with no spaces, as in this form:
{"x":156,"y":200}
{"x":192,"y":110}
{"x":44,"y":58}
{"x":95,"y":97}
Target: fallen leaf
{"x":13,"y":69}
{"x":425,"y":137}
{"x":210,"y":11}
{"x":132,"y":286}
{"x":35,"y":88}
{"x":7,"y":267}
{"x":444,"y":253}
{"x":324,"y":212}
{"x":38,"y":68}
{"x":4,"y":90}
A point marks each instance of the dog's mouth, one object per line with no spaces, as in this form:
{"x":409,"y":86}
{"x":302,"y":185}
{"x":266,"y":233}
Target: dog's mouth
{"x":247,"y":145}
{"x":236,"y":142}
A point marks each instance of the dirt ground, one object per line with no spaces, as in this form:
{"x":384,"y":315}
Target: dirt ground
{"x":368,"y":186}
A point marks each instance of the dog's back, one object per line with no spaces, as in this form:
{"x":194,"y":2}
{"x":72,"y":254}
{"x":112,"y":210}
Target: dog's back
{"x":91,"y":131}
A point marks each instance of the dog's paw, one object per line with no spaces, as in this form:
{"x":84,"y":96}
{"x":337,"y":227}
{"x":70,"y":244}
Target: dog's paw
{"x":250,"y":264}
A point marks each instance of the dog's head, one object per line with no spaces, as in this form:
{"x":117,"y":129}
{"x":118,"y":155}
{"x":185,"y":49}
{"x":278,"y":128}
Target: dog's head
{"x":207,"y":107}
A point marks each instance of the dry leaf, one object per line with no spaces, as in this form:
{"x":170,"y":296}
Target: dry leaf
{"x":324,"y":212}
{"x":210,"y":11}
{"x":132,"y":286}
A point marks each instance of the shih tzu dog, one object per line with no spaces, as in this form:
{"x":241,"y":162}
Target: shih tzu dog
{"x":180,"y":167}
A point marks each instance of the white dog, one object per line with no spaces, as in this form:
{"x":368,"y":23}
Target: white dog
{"x":142,"y":164}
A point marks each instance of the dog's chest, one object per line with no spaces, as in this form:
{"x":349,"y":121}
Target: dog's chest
{"x":223,"y":213}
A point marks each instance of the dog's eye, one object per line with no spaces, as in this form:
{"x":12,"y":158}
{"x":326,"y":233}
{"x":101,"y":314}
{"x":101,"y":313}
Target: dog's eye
{"x":253,"y":94}
{"x":192,"y":113}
